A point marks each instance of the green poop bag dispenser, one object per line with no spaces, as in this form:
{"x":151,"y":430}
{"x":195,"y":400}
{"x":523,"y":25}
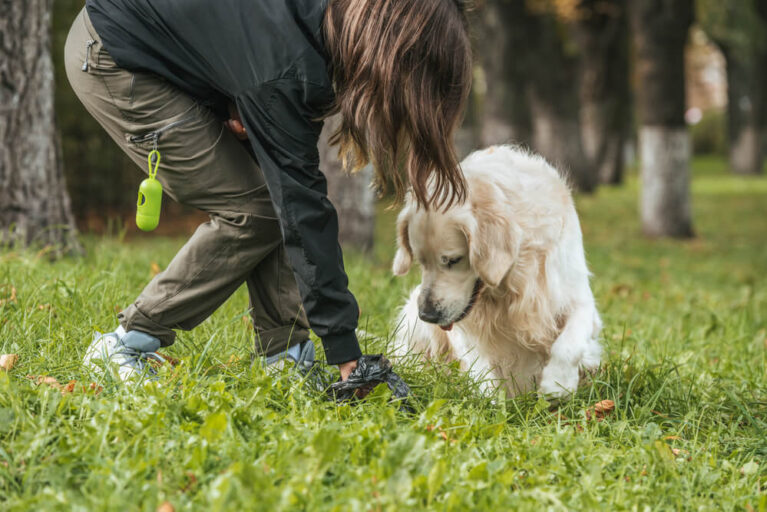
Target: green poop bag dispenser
{"x":149,"y":196}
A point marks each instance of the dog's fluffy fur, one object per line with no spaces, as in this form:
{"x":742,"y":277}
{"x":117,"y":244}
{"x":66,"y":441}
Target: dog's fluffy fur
{"x":508,"y":269}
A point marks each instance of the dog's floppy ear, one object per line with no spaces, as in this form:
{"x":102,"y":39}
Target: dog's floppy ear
{"x":493,"y":242}
{"x":403,"y":260}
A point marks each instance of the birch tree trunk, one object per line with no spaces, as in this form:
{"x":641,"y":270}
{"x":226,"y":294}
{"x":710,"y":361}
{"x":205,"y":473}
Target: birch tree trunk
{"x":660,"y":30}
{"x":352,"y":195}
{"x":34,"y":204}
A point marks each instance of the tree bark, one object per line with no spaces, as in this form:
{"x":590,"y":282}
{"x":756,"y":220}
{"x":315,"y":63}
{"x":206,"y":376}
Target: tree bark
{"x":665,"y":197}
{"x":601,"y":32}
{"x":761,"y":11}
{"x":505,"y":114}
{"x":34,"y":204}
{"x":660,"y":32}
{"x":744,"y":126}
{"x":746,"y":76}
{"x":552,"y":69}
{"x":352,"y":195}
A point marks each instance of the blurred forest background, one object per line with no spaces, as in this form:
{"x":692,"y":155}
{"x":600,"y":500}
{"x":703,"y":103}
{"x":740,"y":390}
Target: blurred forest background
{"x":596,"y":86}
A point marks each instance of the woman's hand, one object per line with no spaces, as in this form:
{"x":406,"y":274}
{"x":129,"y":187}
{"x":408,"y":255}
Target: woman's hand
{"x":347,"y":368}
{"x":235,"y":123}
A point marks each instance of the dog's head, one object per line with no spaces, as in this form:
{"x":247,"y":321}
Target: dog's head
{"x":461,"y":251}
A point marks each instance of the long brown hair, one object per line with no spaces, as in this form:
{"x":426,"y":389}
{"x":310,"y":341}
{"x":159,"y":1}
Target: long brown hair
{"x":402,"y":73}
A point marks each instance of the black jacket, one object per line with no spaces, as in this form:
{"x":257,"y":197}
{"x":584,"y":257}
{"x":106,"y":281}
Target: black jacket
{"x":268,"y":57}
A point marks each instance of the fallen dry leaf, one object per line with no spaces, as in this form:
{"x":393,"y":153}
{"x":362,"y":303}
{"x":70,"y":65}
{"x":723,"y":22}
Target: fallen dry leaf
{"x":600,"y":409}
{"x":8,"y":361}
{"x":678,"y":452}
{"x":166,"y":507}
{"x":604,"y":406}
{"x":43,"y":307}
{"x":10,"y":297}
{"x":233,"y":360}
{"x":51,"y":381}
{"x":154,"y":269}
{"x":192,"y":480}
{"x":171,"y":360}
{"x":44,"y":379}
{"x":440,"y":432}
{"x":70,"y":387}
{"x":168,"y":359}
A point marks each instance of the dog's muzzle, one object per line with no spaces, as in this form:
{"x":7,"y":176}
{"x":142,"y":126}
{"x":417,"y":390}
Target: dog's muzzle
{"x":478,"y":287}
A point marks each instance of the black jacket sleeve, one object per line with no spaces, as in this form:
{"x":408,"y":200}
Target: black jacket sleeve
{"x":283,"y":131}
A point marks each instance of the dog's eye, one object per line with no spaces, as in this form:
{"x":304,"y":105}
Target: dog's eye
{"x":451,"y":261}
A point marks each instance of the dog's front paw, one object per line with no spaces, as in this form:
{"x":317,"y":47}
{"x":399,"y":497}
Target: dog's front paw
{"x":559,"y":381}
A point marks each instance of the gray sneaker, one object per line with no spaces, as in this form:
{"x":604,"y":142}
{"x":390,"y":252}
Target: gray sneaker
{"x":127,"y":352}
{"x":305,"y":367}
{"x":302,"y":355}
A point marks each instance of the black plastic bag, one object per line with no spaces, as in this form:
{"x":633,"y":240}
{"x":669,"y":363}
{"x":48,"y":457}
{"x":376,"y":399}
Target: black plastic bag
{"x":371,"y":371}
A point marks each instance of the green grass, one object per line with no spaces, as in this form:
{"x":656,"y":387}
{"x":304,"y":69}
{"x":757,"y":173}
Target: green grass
{"x":685,"y":362}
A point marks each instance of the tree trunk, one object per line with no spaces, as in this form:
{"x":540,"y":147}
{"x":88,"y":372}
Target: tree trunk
{"x":34,"y":204}
{"x":761,"y":11}
{"x":745,"y":109}
{"x":601,"y":30}
{"x":660,"y":32}
{"x":468,"y":136}
{"x":505,"y":113}
{"x":555,"y":107}
{"x":557,"y":136}
{"x":665,"y":200}
{"x":352,"y":195}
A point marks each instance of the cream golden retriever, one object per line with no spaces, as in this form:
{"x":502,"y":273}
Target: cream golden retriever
{"x":505,"y":287}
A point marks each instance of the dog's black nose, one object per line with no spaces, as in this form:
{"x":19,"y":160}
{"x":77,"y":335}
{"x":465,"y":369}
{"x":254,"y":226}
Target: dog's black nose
{"x":430,"y":315}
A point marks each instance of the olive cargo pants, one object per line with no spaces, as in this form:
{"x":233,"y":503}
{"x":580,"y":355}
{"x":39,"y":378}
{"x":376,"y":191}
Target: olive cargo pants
{"x":203,"y":165}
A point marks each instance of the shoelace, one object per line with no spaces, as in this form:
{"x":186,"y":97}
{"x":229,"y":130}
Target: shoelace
{"x":139,"y":356}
